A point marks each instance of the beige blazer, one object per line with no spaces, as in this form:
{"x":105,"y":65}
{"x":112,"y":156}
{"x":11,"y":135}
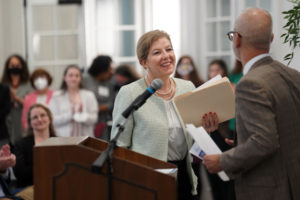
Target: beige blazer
{"x":266,"y":161}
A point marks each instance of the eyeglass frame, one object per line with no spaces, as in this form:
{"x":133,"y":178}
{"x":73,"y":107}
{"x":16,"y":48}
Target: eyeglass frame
{"x":232,"y":33}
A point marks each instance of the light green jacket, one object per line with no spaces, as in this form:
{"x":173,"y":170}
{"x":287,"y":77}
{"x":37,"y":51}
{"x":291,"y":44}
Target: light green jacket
{"x":147,"y":130}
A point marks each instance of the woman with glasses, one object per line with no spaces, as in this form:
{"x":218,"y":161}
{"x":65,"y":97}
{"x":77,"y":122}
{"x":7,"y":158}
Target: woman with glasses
{"x":40,"y":128}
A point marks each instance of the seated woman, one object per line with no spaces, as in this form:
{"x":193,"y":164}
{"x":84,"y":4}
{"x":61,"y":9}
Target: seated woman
{"x":40,"y":128}
{"x":75,"y":109}
{"x":40,"y":80}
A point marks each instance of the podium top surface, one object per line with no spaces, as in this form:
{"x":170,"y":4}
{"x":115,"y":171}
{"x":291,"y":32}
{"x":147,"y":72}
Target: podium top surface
{"x":57,"y":141}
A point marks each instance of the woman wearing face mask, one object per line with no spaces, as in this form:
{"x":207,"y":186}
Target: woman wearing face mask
{"x":187,"y":70}
{"x":16,"y":76}
{"x":75,"y":110}
{"x":40,"y":80}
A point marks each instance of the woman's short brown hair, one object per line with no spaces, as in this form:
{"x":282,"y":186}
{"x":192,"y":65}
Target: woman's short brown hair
{"x":40,"y":72}
{"x":146,"y":40}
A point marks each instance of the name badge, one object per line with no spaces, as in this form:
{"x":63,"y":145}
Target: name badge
{"x":103,"y":91}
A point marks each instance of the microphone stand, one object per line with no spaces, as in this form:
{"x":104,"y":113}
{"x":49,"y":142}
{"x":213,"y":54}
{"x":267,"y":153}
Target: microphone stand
{"x":107,"y":155}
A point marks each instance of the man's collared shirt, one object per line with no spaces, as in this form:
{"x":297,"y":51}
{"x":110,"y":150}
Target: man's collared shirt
{"x":250,"y":63}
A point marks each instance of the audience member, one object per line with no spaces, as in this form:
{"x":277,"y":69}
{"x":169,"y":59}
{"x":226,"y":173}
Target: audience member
{"x":7,"y":159}
{"x":157,"y":122}
{"x":234,"y":77}
{"x":221,"y":190}
{"x":98,"y":80}
{"x":74,"y":108}
{"x":4,"y":111}
{"x":16,"y":76}
{"x":124,"y":74}
{"x":187,"y":70}
{"x":237,"y":73}
{"x":40,"y":128}
{"x":40,"y":80}
{"x":217,"y":67}
{"x":265,"y":163}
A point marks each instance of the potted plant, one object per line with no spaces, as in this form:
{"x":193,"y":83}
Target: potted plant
{"x":291,"y":36}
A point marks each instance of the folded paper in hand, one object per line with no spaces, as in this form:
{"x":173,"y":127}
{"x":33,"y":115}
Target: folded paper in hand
{"x":213,"y":96}
{"x":204,"y":145}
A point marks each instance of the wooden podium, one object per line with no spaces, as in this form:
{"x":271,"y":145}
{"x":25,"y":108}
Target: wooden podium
{"x":62,"y":171}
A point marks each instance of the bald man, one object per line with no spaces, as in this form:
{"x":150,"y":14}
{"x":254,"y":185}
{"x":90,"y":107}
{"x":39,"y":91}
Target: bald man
{"x":266,"y":161}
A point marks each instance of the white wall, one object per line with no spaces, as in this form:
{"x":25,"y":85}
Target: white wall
{"x":191,"y":33}
{"x":184,"y":22}
{"x":11,"y":30}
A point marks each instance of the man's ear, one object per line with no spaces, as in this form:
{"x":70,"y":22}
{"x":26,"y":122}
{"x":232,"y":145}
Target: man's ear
{"x":238,"y":41}
{"x":272,"y":37}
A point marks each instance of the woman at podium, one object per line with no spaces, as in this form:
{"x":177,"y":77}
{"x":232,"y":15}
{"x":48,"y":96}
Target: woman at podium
{"x":156,"y":129}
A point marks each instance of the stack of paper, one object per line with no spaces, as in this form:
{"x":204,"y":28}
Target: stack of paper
{"x":204,"y":145}
{"x":214,"y":96}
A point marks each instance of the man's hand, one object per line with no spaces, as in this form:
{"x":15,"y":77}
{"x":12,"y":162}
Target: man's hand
{"x":212,"y":163}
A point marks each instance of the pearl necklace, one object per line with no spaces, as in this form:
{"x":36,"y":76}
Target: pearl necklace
{"x":167,"y":95}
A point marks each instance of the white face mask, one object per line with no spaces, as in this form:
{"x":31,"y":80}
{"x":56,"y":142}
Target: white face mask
{"x":40,"y":83}
{"x":184,"y":69}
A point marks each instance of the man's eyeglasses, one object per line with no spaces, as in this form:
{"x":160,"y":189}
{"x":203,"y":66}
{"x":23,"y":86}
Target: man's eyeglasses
{"x":231,"y":34}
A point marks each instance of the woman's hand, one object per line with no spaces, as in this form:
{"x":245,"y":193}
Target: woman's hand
{"x":210,"y":122}
{"x":16,"y":99}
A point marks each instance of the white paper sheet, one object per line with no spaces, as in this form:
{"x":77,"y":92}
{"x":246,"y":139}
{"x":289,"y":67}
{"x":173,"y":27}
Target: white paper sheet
{"x":210,"y":81}
{"x":205,"y":143}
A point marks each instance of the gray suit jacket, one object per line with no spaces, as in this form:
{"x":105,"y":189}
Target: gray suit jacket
{"x":266,"y":161}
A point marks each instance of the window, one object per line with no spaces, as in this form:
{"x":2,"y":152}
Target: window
{"x":217,"y":22}
{"x":54,"y":37}
{"x":117,"y":28}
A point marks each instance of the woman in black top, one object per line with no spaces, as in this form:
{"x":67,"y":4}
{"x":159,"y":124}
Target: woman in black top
{"x":40,"y":128}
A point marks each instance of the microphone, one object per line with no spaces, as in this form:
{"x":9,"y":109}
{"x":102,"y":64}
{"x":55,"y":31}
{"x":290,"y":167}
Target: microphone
{"x":141,"y":99}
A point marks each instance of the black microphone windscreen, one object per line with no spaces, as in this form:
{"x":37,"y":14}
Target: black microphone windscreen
{"x":156,"y":84}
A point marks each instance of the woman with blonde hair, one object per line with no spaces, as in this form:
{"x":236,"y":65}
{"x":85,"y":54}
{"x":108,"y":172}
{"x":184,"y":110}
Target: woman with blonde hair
{"x":156,"y":129}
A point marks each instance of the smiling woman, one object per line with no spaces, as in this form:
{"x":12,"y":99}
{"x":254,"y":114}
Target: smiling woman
{"x":40,"y":128}
{"x":165,"y":134}
{"x":75,"y":109}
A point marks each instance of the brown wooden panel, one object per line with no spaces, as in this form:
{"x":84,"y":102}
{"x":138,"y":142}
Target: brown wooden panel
{"x":63,"y":172}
